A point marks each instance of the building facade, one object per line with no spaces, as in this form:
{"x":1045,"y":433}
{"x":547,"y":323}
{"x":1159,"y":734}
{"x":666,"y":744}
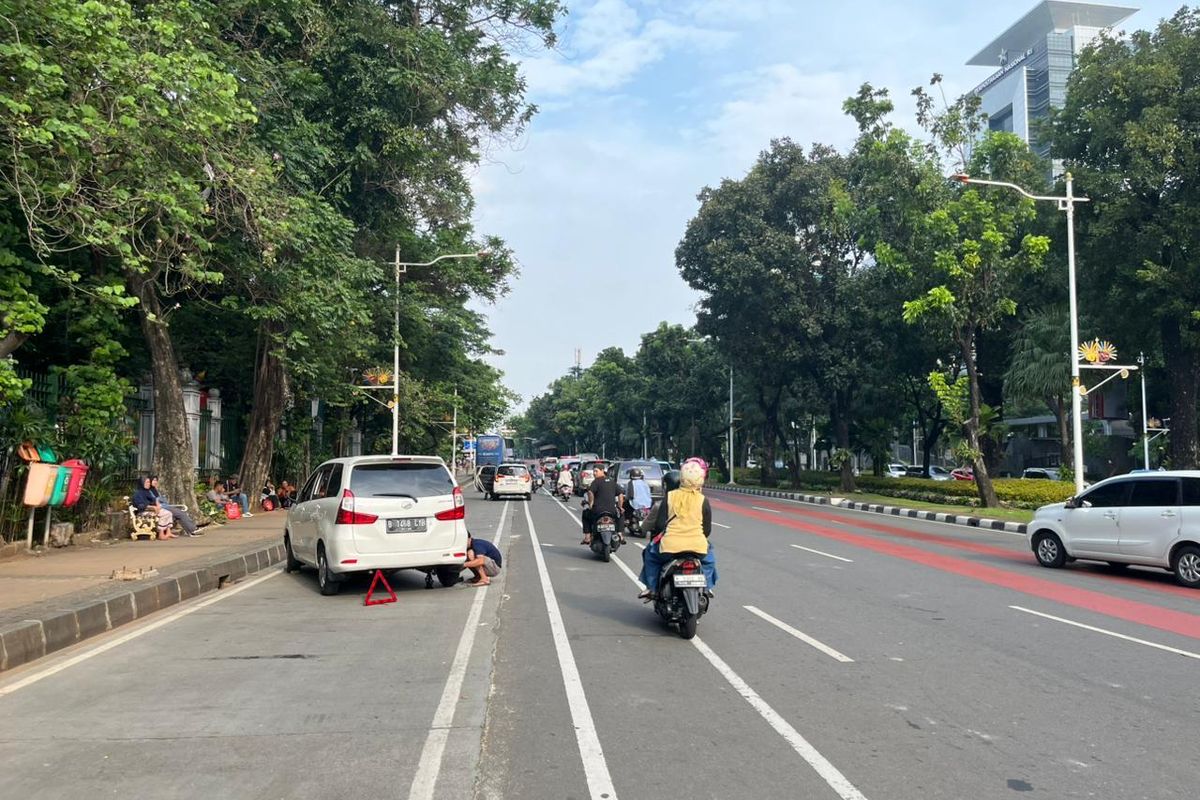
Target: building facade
{"x":1032,"y":61}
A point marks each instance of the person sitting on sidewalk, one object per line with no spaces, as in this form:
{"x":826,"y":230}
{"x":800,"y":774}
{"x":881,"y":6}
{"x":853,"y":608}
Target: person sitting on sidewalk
{"x":268,"y":495}
{"x":217,"y":495}
{"x":234,"y":490}
{"x":144,"y":500}
{"x":179,"y":512}
{"x":286,"y":494}
{"x":484,"y":559}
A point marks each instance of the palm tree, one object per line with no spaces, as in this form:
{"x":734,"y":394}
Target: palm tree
{"x":1040,"y":372}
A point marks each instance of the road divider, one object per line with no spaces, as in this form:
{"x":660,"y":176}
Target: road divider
{"x":595,"y":767}
{"x":429,"y":767}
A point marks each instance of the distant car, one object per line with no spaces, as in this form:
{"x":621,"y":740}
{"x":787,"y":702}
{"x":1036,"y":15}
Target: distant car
{"x":652,"y":471}
{"x":1041,"y":474}
{"x":586,"y":473}
{"x":1150,"y":519}
{"x":895,"y":471}
{"x":751,"y":463}
{"x":939,"y":473}
{"x":512,"y":479}
{"x":963,"y":474}
{"x":366,"y":513}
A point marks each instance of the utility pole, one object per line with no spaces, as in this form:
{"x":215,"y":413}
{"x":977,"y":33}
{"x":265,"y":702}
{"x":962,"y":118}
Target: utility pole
{"x":1145,"y":430}
{"x":731,"y":459}
{"x":645,"y":454}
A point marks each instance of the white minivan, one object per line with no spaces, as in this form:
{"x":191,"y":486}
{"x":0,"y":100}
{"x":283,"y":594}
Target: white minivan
{"x":366,"y":513}
{"x":1150,"y":519}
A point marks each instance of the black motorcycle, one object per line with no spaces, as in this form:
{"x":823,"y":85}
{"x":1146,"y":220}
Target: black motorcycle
{"x":605,"y":539}
{"x":683,"y":596}
{"x":638,"y":522}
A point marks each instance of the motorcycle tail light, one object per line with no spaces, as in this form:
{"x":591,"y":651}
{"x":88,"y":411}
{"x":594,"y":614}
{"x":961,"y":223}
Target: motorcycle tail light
{"x":689,"y":567}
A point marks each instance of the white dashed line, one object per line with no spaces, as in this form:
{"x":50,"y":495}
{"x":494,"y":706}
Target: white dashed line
{"x":822,"y":553}
{"x":801,"y":635}
{"x":1114,"y":634}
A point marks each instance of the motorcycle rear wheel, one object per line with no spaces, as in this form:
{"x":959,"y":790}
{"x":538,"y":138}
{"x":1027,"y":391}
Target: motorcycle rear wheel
{"x":687,"y":626}
{"x":605,"y":553}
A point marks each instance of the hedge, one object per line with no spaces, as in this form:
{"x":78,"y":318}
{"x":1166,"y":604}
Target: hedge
{"x":1012,"y":492}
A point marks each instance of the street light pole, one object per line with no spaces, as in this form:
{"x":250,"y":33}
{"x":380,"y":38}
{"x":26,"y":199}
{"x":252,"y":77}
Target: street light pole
{"x":401,"y":267}
{"x":1145,"y":427}
{"x":731,"y":480}
{"x":1066,"y":204}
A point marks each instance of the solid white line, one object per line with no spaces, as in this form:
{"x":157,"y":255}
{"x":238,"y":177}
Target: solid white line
{"x":1114,"y":634}
{"x":120,"y":640}
{"x":832,"y":776}
{"x":595,"y":768}
{"x":768,"y":510}
{"x":801,"y":635}
{"x":821,"y":553}
{"x":429,"y":767}
{"x":719,"y":525}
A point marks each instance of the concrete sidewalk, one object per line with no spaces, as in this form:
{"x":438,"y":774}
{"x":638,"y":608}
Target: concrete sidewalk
{"x":60,"y":597}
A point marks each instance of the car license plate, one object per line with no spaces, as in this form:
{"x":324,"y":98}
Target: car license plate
{"x":689,"y":581}
{"x":406,"y":525}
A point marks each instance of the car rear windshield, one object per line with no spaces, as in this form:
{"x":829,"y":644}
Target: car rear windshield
{"x":400,"y":480}
{"x":516,"y":472}
{"x":651,"y":472}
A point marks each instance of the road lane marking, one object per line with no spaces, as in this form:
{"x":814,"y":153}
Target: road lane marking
{"x":831,"y":775}
{"x":429,"y":767}
{"x":1142,"y":613}
{"x":595,"y":768}
{"x":1106,"y":632}
{"x":120,"y":640}
{"x":822,"y":553}
{"x":801,"y":635}
{"x":719,"y":525}
{"x":768,"y":510}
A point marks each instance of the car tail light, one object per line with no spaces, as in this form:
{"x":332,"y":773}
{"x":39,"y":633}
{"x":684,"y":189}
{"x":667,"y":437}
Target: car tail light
{"x":348,"y":516}
{"x":526,"y":479}
{"x":458,"y":512}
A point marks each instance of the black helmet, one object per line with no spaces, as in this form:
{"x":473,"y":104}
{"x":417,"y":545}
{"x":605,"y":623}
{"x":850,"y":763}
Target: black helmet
{"x":671,"y":480}
{"x":636,"y":474}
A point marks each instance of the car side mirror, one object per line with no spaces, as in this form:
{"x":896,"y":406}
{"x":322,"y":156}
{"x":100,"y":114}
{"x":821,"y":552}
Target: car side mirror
{"x":1072,"y":502}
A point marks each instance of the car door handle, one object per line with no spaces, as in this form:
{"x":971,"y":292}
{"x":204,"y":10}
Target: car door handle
{"x":1168,"y":514}
{"x":1110,"y":514}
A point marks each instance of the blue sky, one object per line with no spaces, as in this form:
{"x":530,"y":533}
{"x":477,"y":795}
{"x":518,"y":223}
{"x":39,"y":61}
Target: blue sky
{"x":645,"y":103}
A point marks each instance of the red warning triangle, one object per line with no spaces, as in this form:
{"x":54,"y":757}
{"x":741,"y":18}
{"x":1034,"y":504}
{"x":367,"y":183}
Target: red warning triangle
{"x":378,"y":579}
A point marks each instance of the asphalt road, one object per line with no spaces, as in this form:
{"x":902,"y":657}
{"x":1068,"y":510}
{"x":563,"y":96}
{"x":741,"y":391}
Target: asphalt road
{"x":846,"y":655}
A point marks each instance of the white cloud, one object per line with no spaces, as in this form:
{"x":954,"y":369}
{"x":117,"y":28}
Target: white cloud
{"x":610,"y":46}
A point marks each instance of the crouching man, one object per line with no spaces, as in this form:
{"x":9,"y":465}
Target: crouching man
{"x":484,"y":559}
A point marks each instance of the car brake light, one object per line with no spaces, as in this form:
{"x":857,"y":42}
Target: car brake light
{"x":348,"y":516}
{"x":458,"y":512}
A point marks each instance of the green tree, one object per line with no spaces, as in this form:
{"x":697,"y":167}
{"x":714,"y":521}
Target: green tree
{"x":1130,"y":131}
{"x":1039,"y":372}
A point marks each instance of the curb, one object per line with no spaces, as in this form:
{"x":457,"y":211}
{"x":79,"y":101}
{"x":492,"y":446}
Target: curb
{"x":875,"y":508}
{"x":31,"y":639}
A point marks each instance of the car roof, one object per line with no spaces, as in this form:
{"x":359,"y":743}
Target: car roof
{"x":354,"y":461}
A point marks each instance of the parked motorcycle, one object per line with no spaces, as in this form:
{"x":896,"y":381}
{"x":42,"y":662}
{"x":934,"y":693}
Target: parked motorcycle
{"x":605,"y":539}
{"x":683,"y":595}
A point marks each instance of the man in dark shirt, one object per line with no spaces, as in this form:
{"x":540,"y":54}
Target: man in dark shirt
{"x":484,"y":559}
{"x":603,"y":497}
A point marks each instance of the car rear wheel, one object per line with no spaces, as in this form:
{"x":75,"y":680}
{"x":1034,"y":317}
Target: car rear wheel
{"x":1187,"y":566}
{"x":448,"y":576}
{"x":1048,"y":549}
{"x":327,"y":582}
{"x":291,"y":563}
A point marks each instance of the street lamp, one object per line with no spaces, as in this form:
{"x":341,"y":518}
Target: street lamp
{"x":402,"y":267}
{"x":1065,"y":204}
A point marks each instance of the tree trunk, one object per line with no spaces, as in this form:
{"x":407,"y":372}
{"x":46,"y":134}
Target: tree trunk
{"x":983,"y":481}
{"x":1058,"y":405}
{"x":841,"y":430}
{"x":1183,"y":380}
{"x":10,"y":343}
{"x":174,"y":461}
{"x":270,"y":397}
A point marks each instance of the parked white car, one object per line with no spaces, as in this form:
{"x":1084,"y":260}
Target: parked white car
{"x":895,"y":471}
{"x":1151,"y":519}
{"x":377,"y":512}
{"x":512,"y":479}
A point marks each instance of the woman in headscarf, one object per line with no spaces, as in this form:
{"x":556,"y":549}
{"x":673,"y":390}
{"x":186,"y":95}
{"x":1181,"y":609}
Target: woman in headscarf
{"x":144,"y":500}
{"x":683,"y":525}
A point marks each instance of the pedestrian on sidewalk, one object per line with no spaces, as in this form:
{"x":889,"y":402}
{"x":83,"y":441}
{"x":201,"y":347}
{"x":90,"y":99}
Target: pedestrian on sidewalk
{"x":484,"y":559}
{"x":144,"y":500}
{"x":234,"y":490}
{"x":180,"y":513}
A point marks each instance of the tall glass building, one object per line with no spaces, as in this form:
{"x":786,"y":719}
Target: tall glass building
{"x":1032,"y":60}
